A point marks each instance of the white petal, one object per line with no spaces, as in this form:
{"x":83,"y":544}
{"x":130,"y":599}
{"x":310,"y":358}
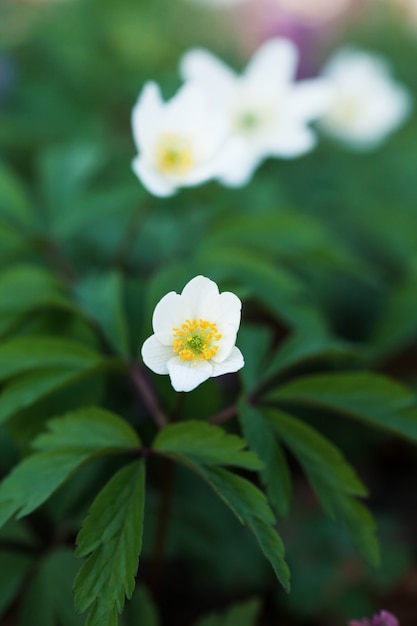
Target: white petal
{"x":146,"y":116}
{"x":197,"y":295}
{"x":241,"y":173}
{"x":154,"y":182}
{"x":225,"y":310}
{"x":233,"y":363}
{"x":274,"y":62}
{"x":239,"y":162}
{"x":292,"y":142}
{"x":226,"y":343}
{"x":310,"y":99}
{"x":167,"y":313}
{"x":203,"y":68}
{"x":187,"y":110}
{"x":185,"y":376}
{"x":155,"y":355}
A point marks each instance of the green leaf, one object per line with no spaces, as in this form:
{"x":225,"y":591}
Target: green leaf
{"x":332,"y":479}
{"x":13,"y":571}
{"x":280,"y":291}
{"x":22,"y":354}
{"x":202,"y":443}
{"x":112,"y":535}
{"x":360,"y":525}
{"x":72,"y":440}
{"x":251,"y":508}
{"x":48,"y":600}
{"x":319,"y":457}
{"x":141,"y":610}
{"x":14,"y":203}
{"x":64,"y":174}
{"x":24,"y":391}
{"x":24,"y":288}
{"x":88,"y":429}
{"x":289,"y":236}
{"x":308,"y":346}
{"x":255,"y":343}
{"x":261,"y":438}
{"x":101,"y":297}
{"x":242,"y":614}
{"x":13,"y":243}
{"x":371,"y":398}
{"x":396,"y":327}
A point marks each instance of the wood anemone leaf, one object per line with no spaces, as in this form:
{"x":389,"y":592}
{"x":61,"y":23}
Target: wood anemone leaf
{"x":47,"y":599}
{"x":72,"y":440}
{"x":101,"y":297}
{"x":24,"y":391}
{"x":251,"y":508}
{"x":288,"y":236}
{"x":371,"y":398}
{"x":14,"y":201}
{"x":112,"y":537}
{"x":280,"y":291}
{"x":22,"y":354}
{"x":25,"y":288}
{"x":141,"y":609}
{"x":261,"y":438}
{"x":15,"y":567}
{"x":306,"y":346}
{"x":332,"y":478}
{"x":202,"y":443}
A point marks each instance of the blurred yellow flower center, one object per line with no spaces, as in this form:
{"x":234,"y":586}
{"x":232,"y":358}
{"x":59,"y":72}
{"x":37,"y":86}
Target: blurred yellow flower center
{"x":174,"y":155}
{"x":194,"y":341}
{"x":346,"y":111}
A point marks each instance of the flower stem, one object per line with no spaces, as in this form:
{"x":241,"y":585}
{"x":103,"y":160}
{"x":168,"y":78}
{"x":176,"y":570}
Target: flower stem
{"x":224,"y":416}
{"x":148,"y":395}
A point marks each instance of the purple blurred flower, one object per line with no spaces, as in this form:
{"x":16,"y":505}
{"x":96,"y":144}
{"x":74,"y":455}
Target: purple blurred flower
{"x":383,"y":619}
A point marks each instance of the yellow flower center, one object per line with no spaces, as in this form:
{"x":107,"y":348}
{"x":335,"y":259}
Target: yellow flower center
{"x":346,"y":111}
{"x":174,"y":155}
{"x":194,"y":341}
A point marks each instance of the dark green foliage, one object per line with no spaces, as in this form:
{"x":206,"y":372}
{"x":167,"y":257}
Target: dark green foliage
{"x":244,"y":614}
{"x":275,"y":475}
{"x":112,"y":536}
{"x":364,"y":396}
{"x":201,"y":443}
{"x":71,"y":441}
{"x":203,"y":448}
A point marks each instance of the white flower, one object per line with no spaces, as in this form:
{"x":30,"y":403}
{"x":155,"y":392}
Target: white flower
{"x":195,"y":335}
{"x":266,"y":111}
{"x":367,"y":104}
{"x":178,"y":141}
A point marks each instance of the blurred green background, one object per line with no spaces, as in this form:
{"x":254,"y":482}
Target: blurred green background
{"x":340,"y":228}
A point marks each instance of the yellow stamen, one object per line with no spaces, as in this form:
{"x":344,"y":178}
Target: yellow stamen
{"x":174,"y":155}
{"x":194,"y":341}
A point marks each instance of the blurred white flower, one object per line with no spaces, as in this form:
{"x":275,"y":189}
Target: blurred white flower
{"x":367,"y":103}
{"x":179,"y":141}
{"x":266,"y":111}
{"x":195,"y":335}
